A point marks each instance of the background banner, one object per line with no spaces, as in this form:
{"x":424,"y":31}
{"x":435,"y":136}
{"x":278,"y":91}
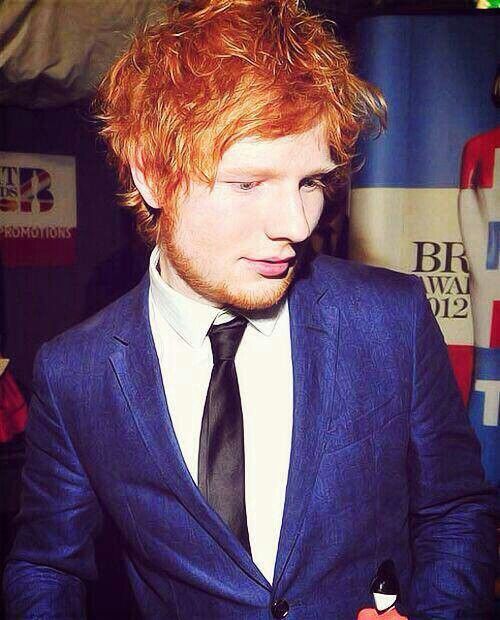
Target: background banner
{"x":426,"y":200}
{"x":37,"y":209}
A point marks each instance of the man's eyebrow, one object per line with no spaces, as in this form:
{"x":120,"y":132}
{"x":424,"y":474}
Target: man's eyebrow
{"x":324,"y":169}
{"x":270,"y":172}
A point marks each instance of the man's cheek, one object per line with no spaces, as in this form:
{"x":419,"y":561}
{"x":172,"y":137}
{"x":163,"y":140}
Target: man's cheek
{"x":318,"y":213}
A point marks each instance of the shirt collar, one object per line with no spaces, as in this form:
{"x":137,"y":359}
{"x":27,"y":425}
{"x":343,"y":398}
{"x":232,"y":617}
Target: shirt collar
{"x":192,"y":319}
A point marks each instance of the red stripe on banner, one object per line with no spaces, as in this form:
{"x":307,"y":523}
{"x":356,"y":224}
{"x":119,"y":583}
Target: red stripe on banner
{"x":495,"y":325}
{"x":462,"y":360}
{"x":27,"y":252}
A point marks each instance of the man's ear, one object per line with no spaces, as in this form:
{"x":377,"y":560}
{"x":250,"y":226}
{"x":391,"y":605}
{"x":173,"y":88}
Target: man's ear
{"x":143,"y":187}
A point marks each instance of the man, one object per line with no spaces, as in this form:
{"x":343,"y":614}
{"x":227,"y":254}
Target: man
{"x":264,"y":431}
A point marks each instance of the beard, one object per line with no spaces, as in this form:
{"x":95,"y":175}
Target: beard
{"x":263,"y":293}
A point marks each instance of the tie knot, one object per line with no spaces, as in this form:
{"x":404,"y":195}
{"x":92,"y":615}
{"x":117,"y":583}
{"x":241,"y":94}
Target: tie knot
{"x":225,"y":338}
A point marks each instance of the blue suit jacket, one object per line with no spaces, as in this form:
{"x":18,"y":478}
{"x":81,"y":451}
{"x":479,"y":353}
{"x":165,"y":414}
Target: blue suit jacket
{"x":383,"y":465}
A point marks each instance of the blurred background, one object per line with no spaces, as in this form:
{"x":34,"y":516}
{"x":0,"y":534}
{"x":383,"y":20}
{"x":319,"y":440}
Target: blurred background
{"x":426,"y":198}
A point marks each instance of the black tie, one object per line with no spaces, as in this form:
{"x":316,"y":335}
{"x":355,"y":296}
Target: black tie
{"x":221,"y":458}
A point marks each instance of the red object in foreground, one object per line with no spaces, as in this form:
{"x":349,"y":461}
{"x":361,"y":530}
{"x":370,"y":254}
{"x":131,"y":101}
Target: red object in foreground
{"x":372,"y":614}
{"x":13,"y":409}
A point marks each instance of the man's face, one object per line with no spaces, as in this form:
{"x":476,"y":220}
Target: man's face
{"x":237,"y":243}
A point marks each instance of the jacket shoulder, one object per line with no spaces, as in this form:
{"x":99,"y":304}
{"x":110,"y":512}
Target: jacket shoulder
{"x":92,"y":338}
{"x":351,"y":279}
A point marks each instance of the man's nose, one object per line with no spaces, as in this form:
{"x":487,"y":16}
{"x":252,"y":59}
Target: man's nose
{"x":287,"y":218}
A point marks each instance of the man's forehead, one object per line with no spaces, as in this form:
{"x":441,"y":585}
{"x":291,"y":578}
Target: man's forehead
{"x":310,"y":169}
{"x":265,"y":155}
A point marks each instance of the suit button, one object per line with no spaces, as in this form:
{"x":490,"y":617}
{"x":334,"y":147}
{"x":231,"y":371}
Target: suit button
{"x":280,"y":608}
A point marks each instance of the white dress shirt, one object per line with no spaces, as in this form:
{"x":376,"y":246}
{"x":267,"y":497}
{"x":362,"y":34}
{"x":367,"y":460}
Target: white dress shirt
{"x":264,"y":368}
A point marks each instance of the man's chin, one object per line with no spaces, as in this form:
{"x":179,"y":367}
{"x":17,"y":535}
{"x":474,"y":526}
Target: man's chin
{"x":244,"y":290}
{"x":264,"y":294}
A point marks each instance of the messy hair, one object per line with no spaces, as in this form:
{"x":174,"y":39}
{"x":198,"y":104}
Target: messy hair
{"x":214,"y":71}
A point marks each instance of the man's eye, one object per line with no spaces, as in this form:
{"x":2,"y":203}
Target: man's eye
{"x":313,"y":183}
{"x":246,"y":186}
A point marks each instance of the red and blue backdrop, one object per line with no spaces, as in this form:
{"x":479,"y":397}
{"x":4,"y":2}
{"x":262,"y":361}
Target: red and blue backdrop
{"x":427,"y":198}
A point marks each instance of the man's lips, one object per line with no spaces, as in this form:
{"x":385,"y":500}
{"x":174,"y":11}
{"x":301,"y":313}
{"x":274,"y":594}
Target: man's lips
{"x":270,"y":266}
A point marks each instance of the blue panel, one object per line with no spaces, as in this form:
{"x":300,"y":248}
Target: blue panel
{"x":436,"y":73}
{"x":487,"y":364}
{"x":493,"y":253}
{"x":489,"y":437}
{"x":486,"y":367}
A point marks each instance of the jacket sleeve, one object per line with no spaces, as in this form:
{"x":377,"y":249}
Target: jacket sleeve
{"x":451,"y":507}
{"x":53,"y":551}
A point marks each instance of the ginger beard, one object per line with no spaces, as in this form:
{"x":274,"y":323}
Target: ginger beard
{"x":176,"y":262}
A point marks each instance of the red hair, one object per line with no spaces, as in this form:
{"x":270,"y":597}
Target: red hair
{"x":216,"y":71}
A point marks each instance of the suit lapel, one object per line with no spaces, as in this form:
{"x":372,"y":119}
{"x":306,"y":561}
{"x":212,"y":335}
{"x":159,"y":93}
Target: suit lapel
{"x":314,"y":325}
{"x":138,"y":373}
